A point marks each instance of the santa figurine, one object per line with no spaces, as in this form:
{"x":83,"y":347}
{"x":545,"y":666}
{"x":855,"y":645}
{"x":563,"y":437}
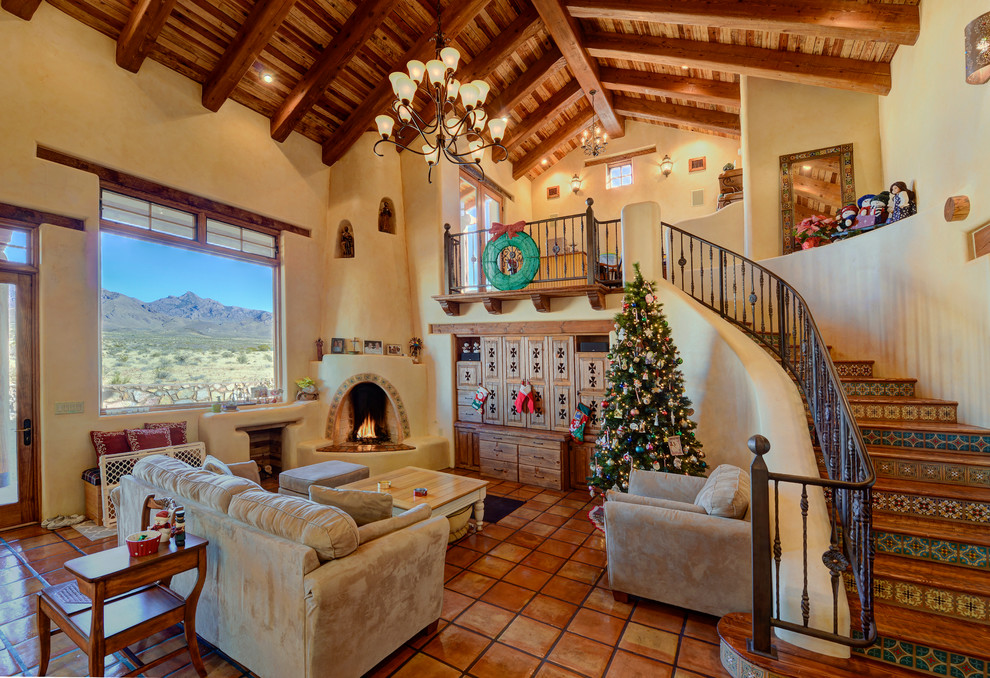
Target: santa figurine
{"x":162,"y":526}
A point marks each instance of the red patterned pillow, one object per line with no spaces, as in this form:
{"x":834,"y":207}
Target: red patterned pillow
{"x":176,"y":430}
{"x":147,"y":438}
{"x":109,"y":442}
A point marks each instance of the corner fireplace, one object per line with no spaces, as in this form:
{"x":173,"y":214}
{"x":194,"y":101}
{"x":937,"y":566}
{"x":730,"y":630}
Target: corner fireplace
{"x":369,"y":420}
{"x":366,"y":415}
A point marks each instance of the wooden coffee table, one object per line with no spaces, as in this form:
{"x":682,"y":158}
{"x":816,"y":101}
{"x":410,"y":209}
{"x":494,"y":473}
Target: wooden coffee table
{"x":446,"y":493}
{"x":123,"y":600}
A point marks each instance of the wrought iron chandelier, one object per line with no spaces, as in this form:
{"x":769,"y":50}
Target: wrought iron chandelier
{"x":455,"y":131}
{"x":594,"y":139}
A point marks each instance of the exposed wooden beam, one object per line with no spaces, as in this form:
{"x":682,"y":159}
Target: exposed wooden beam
{"x":252,"y":37}
{"x":358,"y":28}
{"x":567,"y":34}
{"x":26,"y":215}
{"x":520,"y":88}
{"x":618,"y":157}
{"x":141,"y":31}
{"x":23,"y":9}
{"x":839,"y":19}
{"x":565,"y":97}
{"x":810,"y":69}
{"x":568,"y":131}
{"x":455,"y":18}
{"x":702,"y":90}
{"x":716,"y":121}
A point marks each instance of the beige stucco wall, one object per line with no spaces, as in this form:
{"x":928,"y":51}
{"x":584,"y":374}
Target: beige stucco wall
{"x":780,"y":118}
{"x":62,"y":89}
{"x":910,"y":295}
{"x":673,"y":192}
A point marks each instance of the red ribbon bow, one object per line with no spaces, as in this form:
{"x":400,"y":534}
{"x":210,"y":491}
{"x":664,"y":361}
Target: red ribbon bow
{"x":510,"y":230}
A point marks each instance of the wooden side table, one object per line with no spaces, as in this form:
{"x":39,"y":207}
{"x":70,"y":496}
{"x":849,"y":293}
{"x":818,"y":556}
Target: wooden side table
{"x":128,"y":599}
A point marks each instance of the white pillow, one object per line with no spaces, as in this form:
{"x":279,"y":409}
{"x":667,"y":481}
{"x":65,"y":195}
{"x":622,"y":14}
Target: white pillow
{"x":726,"y":492}
{"x":214,"y":465}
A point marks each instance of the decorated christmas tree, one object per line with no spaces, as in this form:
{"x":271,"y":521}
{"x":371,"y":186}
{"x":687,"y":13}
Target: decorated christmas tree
{"x":645,"y":414}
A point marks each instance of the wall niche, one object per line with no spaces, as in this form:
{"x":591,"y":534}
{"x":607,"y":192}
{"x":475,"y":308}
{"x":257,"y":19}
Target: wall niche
{"x":386,"y":216}
{"x":345,"y":240}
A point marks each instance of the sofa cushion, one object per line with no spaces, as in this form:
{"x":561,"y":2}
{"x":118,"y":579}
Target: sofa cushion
{"x":612,"y":495}
{"x":726,"y":492}
{"x":246,"y":469}
{"x":179,"y":478}
{"x":176,"y":430}
{"x":325,"y":473}
{"x":159,"y":470}
{"x":109,"y":442}
{"x":326,"y":529}
{"x":380,"y":528}
{"x":214,"y":465}
{"x":147,"y":438}
{"x":364,"y":507}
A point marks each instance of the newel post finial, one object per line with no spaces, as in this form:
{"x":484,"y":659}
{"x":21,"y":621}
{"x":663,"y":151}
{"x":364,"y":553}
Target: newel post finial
{"x":759,"y":445}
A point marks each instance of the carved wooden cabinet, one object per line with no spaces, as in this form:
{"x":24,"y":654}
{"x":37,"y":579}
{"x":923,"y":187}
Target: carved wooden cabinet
{"x":466,"y":451}
{"x":532,"y":457}
{"x":580,"y":463}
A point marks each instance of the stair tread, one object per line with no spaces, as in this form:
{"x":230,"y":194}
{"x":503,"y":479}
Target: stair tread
{"x":931,"y":573}
{"x":925,"y":454}
{"x":929,"y":489}
{"x":928,"y":426}
{"x":846,"y":362}
{"x":931,"y":630}
{"x":879,"y":380}
{"x":922,"y":526}
{"x":900,"y":400}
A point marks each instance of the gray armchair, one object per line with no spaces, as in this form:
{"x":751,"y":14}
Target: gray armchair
{"x":664,"y":547}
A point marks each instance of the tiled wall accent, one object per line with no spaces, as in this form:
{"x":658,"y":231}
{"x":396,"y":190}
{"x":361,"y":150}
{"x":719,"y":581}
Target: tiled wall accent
{"x":927,"y":440}
{"x":904,"y":412}
{"x":925,"y":659}
{"x":935,"y":507}
{"x":933,"y":471}
{"x":854,"y":368}
{"x":937,"y":550}
{"x":904,"y":389}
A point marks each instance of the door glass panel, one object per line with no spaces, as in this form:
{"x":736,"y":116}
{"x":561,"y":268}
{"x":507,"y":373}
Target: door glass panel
{"x":8,"y":394}
{"x":492,"y":211}
{"x":470,"y":245}
{"x":14,"y":246}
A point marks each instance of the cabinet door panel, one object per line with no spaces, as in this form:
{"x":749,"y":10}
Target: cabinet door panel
{"x":513,"y":417}
{"x":591,"y":372}
{"x":468,"y":374}
{"x":491,"y":359}
{"x":492,"y":409}
{"x":538,"y":417}
{"x":593,"y":401}
{"x":561,"y":359}
{"x":512,"y":359}
{"x":563,"y":408}
{"x":536,"y":367}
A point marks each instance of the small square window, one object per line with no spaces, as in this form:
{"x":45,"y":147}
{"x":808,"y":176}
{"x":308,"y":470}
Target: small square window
{"x":618,"y":174}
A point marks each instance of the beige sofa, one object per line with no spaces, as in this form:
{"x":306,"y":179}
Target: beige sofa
{"x":295,"y":588}
{"x":664,"y":546}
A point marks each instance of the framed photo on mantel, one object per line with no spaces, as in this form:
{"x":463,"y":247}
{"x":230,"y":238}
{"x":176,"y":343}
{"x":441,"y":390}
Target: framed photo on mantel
{"x":373,"y":346}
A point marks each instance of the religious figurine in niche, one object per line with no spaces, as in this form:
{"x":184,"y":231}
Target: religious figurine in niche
{"x":901,"y":203}
{"x":386,"y":223}
{"x":346,"y":242}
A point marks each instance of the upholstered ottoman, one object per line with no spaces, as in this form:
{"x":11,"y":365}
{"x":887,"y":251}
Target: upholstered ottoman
{"x":295,"y":482}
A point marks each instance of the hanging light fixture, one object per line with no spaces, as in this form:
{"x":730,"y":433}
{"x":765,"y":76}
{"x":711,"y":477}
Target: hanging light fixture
{"x":978,"y":50}
{"x":666,"y":165}
{"x":451,"y":134}
{"x":575,"y":183}
{"x":594,"y":139}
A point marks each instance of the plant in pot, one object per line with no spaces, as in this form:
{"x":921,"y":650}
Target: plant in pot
{"x":815,"y":231}
{"x":307,"y":389}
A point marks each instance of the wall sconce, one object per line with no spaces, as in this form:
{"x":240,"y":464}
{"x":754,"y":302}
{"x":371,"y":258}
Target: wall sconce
{"x":978,"y":50}
{"x":666,"y":165}
{"x":575,"y":183}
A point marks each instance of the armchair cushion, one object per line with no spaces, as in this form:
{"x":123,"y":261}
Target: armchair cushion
{"x":380,"y":528}
{"x":660,"y":485}
{"x":726,"y":492}
{"x":612,"y":495}
{"x":364,"y":507}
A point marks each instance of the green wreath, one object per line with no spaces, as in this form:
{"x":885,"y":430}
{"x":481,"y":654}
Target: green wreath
{"x":527,"y":271}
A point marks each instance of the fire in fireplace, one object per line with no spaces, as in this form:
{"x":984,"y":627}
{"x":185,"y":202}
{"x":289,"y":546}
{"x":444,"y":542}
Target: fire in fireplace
{"x":370,"y":408}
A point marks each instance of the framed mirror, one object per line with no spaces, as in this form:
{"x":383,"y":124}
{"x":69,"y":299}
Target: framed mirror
{"x":818,"y":182}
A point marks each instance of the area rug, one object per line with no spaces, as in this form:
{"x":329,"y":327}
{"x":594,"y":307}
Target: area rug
{"x":94,"y":532}
{"x":497,"y":508}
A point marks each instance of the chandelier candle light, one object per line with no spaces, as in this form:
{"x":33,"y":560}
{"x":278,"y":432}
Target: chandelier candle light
{"x":455,"y":135}
{"x":594,"y":139}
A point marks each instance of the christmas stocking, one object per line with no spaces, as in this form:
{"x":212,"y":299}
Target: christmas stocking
{"x":524,"y":399}
{"x":579,"y":421}
{"x":480,"y":396}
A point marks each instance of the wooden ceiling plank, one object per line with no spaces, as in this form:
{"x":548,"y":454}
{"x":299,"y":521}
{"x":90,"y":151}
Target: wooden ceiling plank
{"x":546,"y":66}
{"x":717,"y":121}
{"x":23,"y":9}
{"x":839,"y":19}
{"x":810,"y":69}
{"x":567,"y":132}
{"x":455,"y":18}
{"x":702,"y":90}
{"x":140,"y":33}
{"x":252,"y":37}
{"x":563,"y":98}
{"x":358,"y":28}
{"x":569,"y":38}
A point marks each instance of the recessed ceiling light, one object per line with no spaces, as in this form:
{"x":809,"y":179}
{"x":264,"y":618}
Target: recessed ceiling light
{"x":544,"y":161}
{"x":807,"y":167}
{"x":268,"y":77}
{"x":685,"y":67}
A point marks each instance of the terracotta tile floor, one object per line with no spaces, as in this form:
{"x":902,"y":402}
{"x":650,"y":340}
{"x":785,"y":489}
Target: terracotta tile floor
{"x":527,"y":597}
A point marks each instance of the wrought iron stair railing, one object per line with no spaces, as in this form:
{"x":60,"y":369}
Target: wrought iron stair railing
{"x":774,"y":313}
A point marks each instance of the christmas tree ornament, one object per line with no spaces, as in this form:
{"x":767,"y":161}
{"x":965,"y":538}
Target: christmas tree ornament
{"x":480,"y":396}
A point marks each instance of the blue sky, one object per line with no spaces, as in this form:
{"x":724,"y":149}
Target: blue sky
{"x":149,"y":271}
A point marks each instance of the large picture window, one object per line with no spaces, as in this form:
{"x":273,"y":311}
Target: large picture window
{"x":188,"y":306}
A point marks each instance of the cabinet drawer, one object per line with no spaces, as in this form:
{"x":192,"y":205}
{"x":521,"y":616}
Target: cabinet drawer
{"x":507,"y":438}
{"x":465,"y":396}
{"x":468,"y":374}
{"x":468,"y":414}
{"x":498,"y":450}
{"x":506,"y":470}
{"x":539,"y":456}
{"x":534,"y":475}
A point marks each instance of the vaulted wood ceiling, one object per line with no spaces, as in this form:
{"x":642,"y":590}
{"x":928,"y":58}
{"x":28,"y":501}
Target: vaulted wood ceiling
{"x":673,"y":63}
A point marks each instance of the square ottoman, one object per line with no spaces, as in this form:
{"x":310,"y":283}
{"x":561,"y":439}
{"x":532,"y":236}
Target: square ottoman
{"x":295,"y":482}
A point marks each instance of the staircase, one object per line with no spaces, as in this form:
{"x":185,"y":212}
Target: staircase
{"x":931,"y":514}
